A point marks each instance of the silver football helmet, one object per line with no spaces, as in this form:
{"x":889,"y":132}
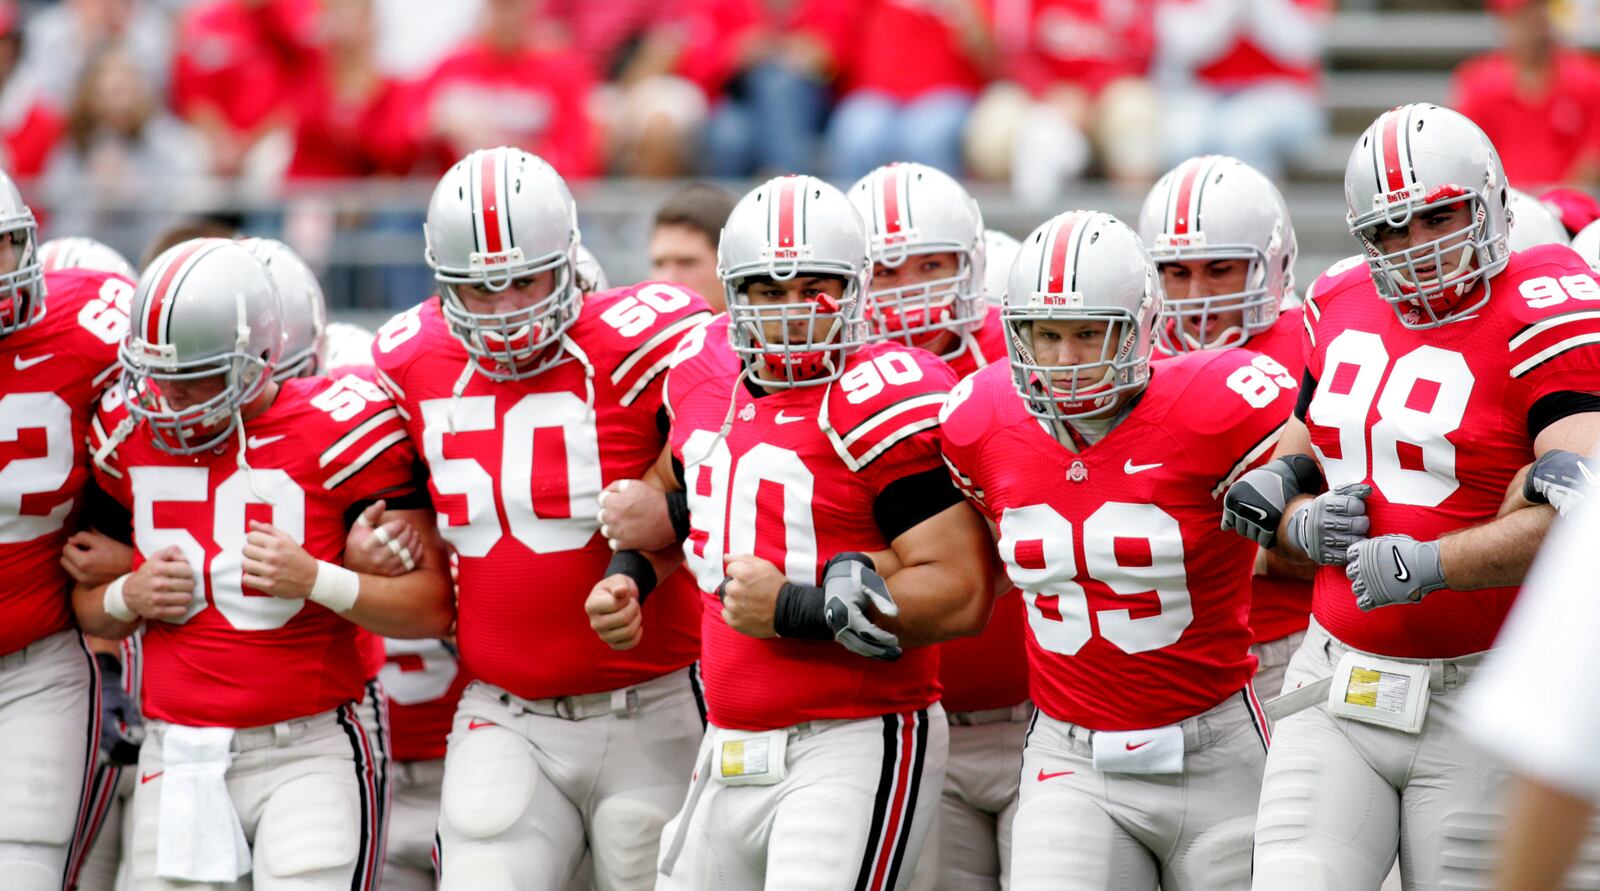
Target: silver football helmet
{"x":205,"y":308}
{"x":82,"y":252}
{"x":1587,"y":244}
{"x":498,"y":216}
{"x":1082,"y":266}
{"x":912,"y":210}
{"x":1218,"y":208}
{"x":304,"y":311}
{"x":1417,"y":158}
{"x":591,"y":275}
{"x":792,"y":226}
{"x":347,"y":344}
{"x":1533,"y":222}
{"x":22,"y":291}
{"x":999,"y":252}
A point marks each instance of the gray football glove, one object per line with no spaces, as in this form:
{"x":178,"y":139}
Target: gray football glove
{"x":850,"y":582}
{"x":1561,"y":479}
{"x":1253,"y":505}
{"x":1325,"y":528}
{"x":1393,"y":569}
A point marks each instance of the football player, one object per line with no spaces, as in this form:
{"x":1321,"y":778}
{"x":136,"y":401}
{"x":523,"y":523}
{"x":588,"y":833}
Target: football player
{"x":239,"y":488}
{"x":817,"y":511}
{"x":1142,"y":766}
{"x":1222,"y":240}
{"x":929,"y":252}
{"x":1437,"y":365}
{"x":53,"y":366}
{"x":525,"y":398}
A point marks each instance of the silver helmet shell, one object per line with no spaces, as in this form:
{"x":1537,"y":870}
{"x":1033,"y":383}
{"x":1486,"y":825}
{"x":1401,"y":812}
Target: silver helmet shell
{"x":1411,"y":160}
{"x":1082,"y":266}
{"x":22,"y":291}
{"x":788,"y":227}
{"x":1533,"y":222}
{"x":1214,"y":207}
{"x":204,"y":309}
{"x":911,"y":211}
{"x":82,"y":252}
{"x":500,"y":216}
{"x":304,"y":311}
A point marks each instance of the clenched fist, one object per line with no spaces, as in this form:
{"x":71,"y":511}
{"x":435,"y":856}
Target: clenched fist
{"x":94,"y":559}
{"x":162,"y":587}
{"x":750,"y":595}
{"x":614,"y":612}
{"x":275,"y":564}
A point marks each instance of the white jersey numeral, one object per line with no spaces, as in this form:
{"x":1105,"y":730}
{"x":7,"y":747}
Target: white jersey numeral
{"x":1037,"y":544}
{"x":106,"y":316}
{"x":724,"y":511}
{"x":1422,"y":402}
{"x":635,"y":314}
{"x":244,"y":610}
{"x":1261,"y":381}
{"x":37,"y":475}
{"x":546,"y":513}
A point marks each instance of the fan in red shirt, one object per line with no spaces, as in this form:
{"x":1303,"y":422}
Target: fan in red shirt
{"x":1537,"y":100}
{"x":225,"y":44}
{"x":1072,"y":86}
{"x":908,"y":74}
{"x":1103,"y":476}
{"x":928,"y":275}
{"x":513,"y":84}
{"x":1245,"y":78}
{"x":1222,"y":239}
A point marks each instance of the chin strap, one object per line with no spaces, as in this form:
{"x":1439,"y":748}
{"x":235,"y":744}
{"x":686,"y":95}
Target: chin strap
{"x":118,"y":436}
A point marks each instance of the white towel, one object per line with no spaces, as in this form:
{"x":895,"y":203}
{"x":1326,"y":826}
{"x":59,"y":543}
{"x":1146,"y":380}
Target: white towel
{"x":200,"y":839}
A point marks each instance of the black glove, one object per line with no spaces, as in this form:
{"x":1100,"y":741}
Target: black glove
{"x":121,"y":728}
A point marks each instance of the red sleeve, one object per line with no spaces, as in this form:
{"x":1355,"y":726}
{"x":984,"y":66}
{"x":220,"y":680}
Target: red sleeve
{"x":370,"y":455}
{"x":963,"y":423}
{"x":883,"y":412}
{"x":1247,"y":407}
{"x":1555,"y":345}
{"x":643,"y":326}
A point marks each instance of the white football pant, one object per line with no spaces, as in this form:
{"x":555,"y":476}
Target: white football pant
{"x":1272,"y":661}
{"x":969,"y":845}
{"x":1080,"y":829}
{"x":529,"y":786}
{"x":49,"y":741}
{"x":851,"y":813}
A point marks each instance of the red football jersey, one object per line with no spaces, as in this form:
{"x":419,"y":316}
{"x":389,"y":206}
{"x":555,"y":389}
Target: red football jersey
{"x":51,"y":373}
{"x":794,"y":482}
{"x":989,"y":670}
{"x":1279,"y":607}
{"x":424,"y":682}
{"x":1436,"y":421}
{"x":515,"y":469}
{"x":1153,"y":627}
{"x":242,"y":658}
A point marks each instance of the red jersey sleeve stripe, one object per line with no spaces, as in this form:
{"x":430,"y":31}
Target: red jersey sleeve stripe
{"x":1551,"y":352}
{"x":884,"y":430}
{"x":389,"y":416}
{"x":1252,"y":457}
{"x":365,"y":458}
{"x":652,"y":357}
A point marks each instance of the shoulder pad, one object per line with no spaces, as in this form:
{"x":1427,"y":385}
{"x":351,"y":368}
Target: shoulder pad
{"x":1340,"y":277}
{"x":634,"y":331}
{"x":359,"y":419}
{"x":886,"y":394}
{"x":969,"y":411}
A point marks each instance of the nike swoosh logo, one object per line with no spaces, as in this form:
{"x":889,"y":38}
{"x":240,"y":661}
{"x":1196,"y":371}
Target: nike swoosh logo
{"x":22,"y":364}
{"x":147,"y":777}
{"x":257,"y":442}
{"x":1131,"y":468}
{"x":475,"y":724}
{"x":1401,"y":573}
{"x":1135,"y":746}
{"x":1262,"y":515}
{"x":1050,"y":776}
{"x":781,"y":419}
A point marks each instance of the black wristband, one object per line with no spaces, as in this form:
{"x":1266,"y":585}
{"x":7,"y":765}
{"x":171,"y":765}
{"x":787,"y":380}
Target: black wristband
{"x":801,"y":613}
{"x":678,"y":513}
{"x":634,"y":565}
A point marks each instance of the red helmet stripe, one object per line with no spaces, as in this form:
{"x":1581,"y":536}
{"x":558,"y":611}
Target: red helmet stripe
{"x":157,"y":306}
{"x":1391,"y":152}
{"x":889,"y":182}
{"x":786,"y":197}
{"x":1057,"y":278}
{"x":488,"y":191}
{"x":1182,"y":214}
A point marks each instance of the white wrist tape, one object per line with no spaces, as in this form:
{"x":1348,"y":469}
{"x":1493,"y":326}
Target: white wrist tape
{"x":116,"y":606}
{"x":336,"y":587}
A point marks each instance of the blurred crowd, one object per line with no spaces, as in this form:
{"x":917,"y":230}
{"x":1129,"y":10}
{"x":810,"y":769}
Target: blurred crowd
{"x":1037,"y":91}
